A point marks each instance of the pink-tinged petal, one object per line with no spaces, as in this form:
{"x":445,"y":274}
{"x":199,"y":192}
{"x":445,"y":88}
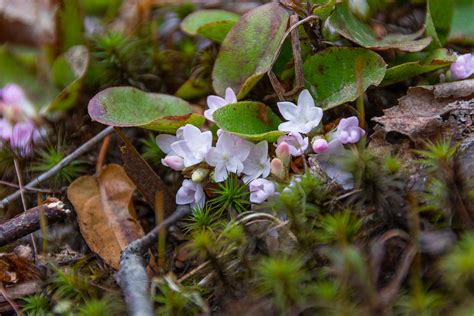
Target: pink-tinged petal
{"x":164,"y":141}
{"x":320,"y":145}
{"x":288,"y":110}
{"x":283,"y":151}
{"x":199,"y":196}
{"x":6,"y":130}
{"x":230,"y":96}
{"x":173,"y":162}
{"x":260,"y":190}
{"x":13,"y":94}
{"x":277,"y":168}
{"x":463,"y":67}
{"x":22,"y":135}
{"x":213,"y":157}
{"x":214,"y":102}
{"x":305,"y":100}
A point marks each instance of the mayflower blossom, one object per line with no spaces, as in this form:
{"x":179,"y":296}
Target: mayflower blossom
{"x":320,"y":145}
{"x":301,"y":118}
{"x":15,"y":103}
{"x":191,"y":193}
{"x":215,"y":102}
{"x":330,"y":162}
{"x":228,"y":155}
{"x":257,"y":163}
{"x":260,"y":190}
{"x":17,"y":127}
{"x":190,"y":144}
{"x":348,"y":130}
{"x":296,"y":143}
{"x":23,"y":136}
{"x":463,"y":67}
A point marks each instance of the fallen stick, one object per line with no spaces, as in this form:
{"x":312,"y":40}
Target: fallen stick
{"x":67,"y":160}
{"x":132,"y":276}
{"x":29,"y":221}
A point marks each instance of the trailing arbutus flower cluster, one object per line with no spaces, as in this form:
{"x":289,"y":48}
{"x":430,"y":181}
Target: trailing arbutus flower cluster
{"x":17,"y":124}
{"x":192,"y":151}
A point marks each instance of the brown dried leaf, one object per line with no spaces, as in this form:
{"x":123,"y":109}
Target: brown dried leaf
{"x":425,"y":111}
{"x":103,"y":210}
{"x":14,"y":268}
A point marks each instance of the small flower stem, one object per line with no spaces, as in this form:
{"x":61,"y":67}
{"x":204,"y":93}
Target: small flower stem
{"x":23,"y":200}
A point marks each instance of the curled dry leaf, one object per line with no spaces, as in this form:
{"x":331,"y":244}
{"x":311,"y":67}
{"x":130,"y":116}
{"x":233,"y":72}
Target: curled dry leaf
{"x":430,"y":111}
{"x":103,"y":209}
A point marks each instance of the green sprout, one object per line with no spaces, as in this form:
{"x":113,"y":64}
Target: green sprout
{"x":231,"y":195}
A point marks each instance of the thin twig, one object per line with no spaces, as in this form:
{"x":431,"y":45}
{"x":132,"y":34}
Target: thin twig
{"x":29,"y":221}
{"x":67,"y":160}
{"x":23,"y":200}
{"x":132,"y":276}
{"x":10,"y":301}
{"x":16,"y":186}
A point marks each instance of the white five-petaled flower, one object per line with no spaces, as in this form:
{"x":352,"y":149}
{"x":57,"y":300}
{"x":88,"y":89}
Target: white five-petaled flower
{"x":301,"y":118}
{"x":215,"y":102}
{"x":191,"y":193}
{"x":296,"y":143}
{"x":228,"y":155}
{"x":257,"y":163}
{"x":348,"y":130}
{"x":190,"y":144}
{"x":330,"y":162}
{"x":260,"y":190}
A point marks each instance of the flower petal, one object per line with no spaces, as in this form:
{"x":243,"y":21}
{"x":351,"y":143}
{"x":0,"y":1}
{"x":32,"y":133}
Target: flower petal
{"x":230,"y":96}
{"x":288,"y":110}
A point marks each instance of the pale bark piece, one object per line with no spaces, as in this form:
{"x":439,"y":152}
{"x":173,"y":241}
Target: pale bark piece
{"x":102,"y":207}
{"x":430,"y":111}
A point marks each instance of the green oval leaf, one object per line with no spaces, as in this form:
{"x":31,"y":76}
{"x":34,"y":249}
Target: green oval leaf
{"x":69,"y":71}
{"x":438,"y":59}
{"x":358,"y":32}
{"x":131,"y":107}
{"x":332,"y":73}
{"x":216,"y":31}
{"x":247,"y":51}
{"x":196,"y":20}
{"x":250,"y":120}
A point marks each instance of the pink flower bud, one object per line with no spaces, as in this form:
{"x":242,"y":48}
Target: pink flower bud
{"x":463,"y":67}
{"x":283,"y":151}
{"x":277,"y":168}
{"x":320,"y":145}
{"x":174,"y":162}
{"x":12,"y":94}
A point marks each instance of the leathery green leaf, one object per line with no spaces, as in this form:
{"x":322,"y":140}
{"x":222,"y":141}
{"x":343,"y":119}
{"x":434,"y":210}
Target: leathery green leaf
{"x":332,"y":74}
{"x":250,"y":120}
{"x":248,"y":49}
{"x":357,"y":31}
{"x":196,"y":20}
{"x":437,"y":59}
{"x":130,"y":107}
